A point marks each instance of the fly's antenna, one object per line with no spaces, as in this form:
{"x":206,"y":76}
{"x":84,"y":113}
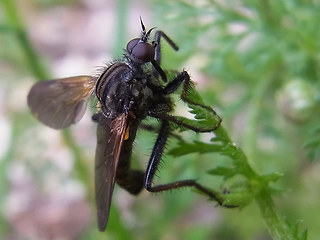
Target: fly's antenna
{"x":142,"y":26}
{"x":144,"y":34}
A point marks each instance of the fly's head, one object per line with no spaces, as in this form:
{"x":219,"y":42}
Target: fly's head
{"x":140,"y":50}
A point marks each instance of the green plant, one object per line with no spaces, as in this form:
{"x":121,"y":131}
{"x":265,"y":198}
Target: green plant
{"x":267,"y":52}
{"x":255,"y":50}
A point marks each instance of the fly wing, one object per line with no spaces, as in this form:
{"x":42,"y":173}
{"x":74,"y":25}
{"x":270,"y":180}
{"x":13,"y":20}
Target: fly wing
{"x":61,"y":102}
{"x":110,"y":136}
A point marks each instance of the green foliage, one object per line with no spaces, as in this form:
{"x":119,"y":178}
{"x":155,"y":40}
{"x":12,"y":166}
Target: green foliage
{"x":265,"y":54}
{"x":241,"y":193}
{"x":264,"y":59}
{"x":204,"y":117}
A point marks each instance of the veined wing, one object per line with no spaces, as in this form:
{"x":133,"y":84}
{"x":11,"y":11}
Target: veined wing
{"x":61,"y":102}
{"x":110,"y":136}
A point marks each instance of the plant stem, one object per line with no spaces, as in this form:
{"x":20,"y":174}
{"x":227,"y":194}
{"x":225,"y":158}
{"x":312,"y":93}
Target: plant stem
{"x":278,"y":228}
{"x":237,"y":154}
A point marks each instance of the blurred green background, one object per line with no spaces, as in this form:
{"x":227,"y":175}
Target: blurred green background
{"x":255,"y":62}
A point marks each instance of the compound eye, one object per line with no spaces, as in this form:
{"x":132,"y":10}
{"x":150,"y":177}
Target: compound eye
{"x":141,"y":50}
{"x":132,"y":44}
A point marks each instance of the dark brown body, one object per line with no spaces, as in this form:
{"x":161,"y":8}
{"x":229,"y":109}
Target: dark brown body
{"x":128,"y":91}
{"x":127,"y":95}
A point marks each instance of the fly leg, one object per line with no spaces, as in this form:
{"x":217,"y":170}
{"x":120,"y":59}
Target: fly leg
{"x":156,"y":69}
{"x":213,"y":121}
{"x":151,"y":128}
{"x":154,"y":164}
{"x":184,"y":78}
{"x":157,"y":43}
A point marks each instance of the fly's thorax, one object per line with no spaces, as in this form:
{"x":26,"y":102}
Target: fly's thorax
{"x":123,"y":89}
{"x":141,"y":97}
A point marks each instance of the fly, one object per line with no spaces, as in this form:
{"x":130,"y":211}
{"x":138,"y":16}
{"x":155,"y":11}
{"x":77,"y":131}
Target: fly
{"x":127,"y":92}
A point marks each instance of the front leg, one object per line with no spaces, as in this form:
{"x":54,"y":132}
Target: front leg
{"x":209,"y":119}
{"x":157,"y":42}
{"x":157,"y":70}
